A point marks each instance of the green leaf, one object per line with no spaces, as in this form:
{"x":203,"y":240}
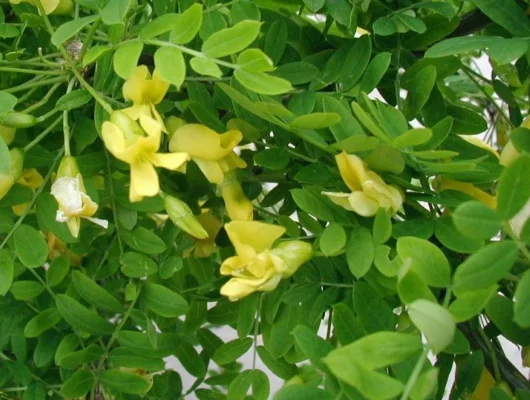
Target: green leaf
{"x":25,"y":290}
{"x":382,"y":229}
{"x":140,"y":344}
{"x":7,"y":271}
{"x":521,"y":309}
{"x":360,"y":252}
{"x":94,"y":53}
{"x":471,"y":303}
{"x":315,"y":121}
{"x":313,"y":203}
{"x":124,"y":382}
{"x":514,"y":187}
{"x":8,"y":31}
{"x":31,"y":248}
{"x":71,"y":28}
{"x":57,"y":271}
{"x":500,"y":311}
{"x":435,"y":322}
{"x":314,"y":5}
{"x":313,"y":346}
{"x":276,"y":40}
{"x":136,"y":265}
{"x":345,"y":324}
{"x":302,"y":392}
{"x":504,"y":51}
{"x":473,"y":218}
{"x":74,"y":99}
{"x":447,"y":233}
{"x":383,"y":263}
{"x":81,"y":318}
{"x":92,"y":293}
{"x":78,"y":385}
{"x":126,"y":58}
{"x":506,"y":13}
{"x":413,"y":137}
{"x":384,"y":26}
{"x":485,"y":267}
{"x":347,"y":127}
{"x":262,"y":83}
{"x":375,"y":72}
{"x":280,"y":339}
{"x":255,"y":60}
{"x":372,"y":310}
{"x":231,"y":351}
{"x":278,"y":366}
{"x":520,"y":138}
{"x":231,"y":40}
{"x":164,"y":301}
{"x":419,"y":92}
{"x":426,"y":259}
{"x":42,"y":322}
{"x":333,"y":239}
{"x":297,"y":73}
{"x":239,"y":387}
{"x":212,"y":22}
{"x":7,"y":102}
{"x":162,"y":24}
{"x":121,"y":357}
{"x":169,"y":63}
{"x":144,"y":241}
{"x":114,"y":12}
{"x":187,"y":25}
{"x":467,"y":122}
{"x":205,"y":66}
{"x":458,"y":45}
{"x":75,"y":359}
{"x":274,"y":159}
{"x":243,"y":10}
{"x":190,"y":359}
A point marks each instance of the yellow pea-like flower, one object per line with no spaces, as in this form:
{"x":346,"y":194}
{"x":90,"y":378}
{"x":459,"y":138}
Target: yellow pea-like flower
{"x":138,"y":145}
{"x":258,"y":266}
{"x":71,"y":196}
{"x":7,"y":134}
{"x":368,"y":190}
{"x":50,"y":6}
{"x":145,"y":91}
{"x":30,"y":178}
{"x":442,"y":183}
{"x":206,"y":246}
{"x":212,"y":152}
{"x":238,"y":206}
{"x":57,"y":248}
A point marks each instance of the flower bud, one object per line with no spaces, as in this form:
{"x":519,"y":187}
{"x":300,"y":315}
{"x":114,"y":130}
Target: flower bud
{"x":183,"y":217}
{"x":68,"y":167}
{"x":6,"y":181}
{"x":127,"y":125}
{"x":8,"y":134}
{"x":294,"y":253}
{"x":238,"y":206}
{"x":17,"y":163}
{"x":172,"y":124}
{"x":17,"y":120}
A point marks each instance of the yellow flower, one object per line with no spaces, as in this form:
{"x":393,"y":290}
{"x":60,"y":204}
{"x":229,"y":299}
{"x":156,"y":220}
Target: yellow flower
{"x":258,"y":266}
{"x":31,"y":179}
{"x":8,"y":179}
{"x":509,"y":154}
{"x":70,"y":194}
{"x":441,"y":184}
{"x":138,"y":147}
{"x":369,"y":191}
{"x":212,"y":152}
{"x":50,"y":6}
{"x":57,"y":248}
{"x":238,"y":206}
{"x":205,"y":247}
{"x":145,"y":91}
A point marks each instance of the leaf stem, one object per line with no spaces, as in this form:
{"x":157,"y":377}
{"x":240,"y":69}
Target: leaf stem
{"x":42,"y":101}
{"x":31,"y":71}
{"x":66,"y":127}
{"x":113,"y":201}
{"x":37,"y":83}
{"x":415,"y":374}
{"x":491,"y":351}
{"x":42,"y":135}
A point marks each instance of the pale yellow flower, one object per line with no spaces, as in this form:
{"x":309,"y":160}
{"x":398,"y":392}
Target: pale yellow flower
{"x":368,"y":190}
{"x":57,"y":248}
{"x":50,"y":6}
{"x":145,"y":91}
{"x":8,"y":134}
{"x":205,"y":247}
{"x":8,"y":179}
{"x":238,"y":206}
{"x":212,"y":152}
{"x":442,"y":183}
{"x":138,"y":146}
{"x":70,"y":194}
{"x":258,"y":266}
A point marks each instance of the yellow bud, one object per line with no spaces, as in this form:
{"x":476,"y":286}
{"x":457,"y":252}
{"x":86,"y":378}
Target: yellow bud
{"x":8,"y":134}
{"x":17,"y":163}
{"x":6,"y":181}
{"x":68,"y":167}
{"x":18,"y":120}
{"x":183,"y":217}
{"x":294,"y":253}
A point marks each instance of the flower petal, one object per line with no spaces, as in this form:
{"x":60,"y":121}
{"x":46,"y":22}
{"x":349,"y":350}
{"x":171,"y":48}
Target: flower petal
{"x":74,"y":225}
{"x":339,"y":198}
{"x":238,"y":206}
{"x":200,"y":141}
{"x":134,"y":87}
{"x":351,"y":170}
{"x":31,"y":178}
{"x":157,"y":88}
{"x":256,"y":235}
{"x":144,"y":180}
{"x":171,"y":161}
{"x":136,"y":110}
{"x":363,"y":205}
{"x":211,"y":170}
{"x":101,"y":222}
{"x":114,"y":140}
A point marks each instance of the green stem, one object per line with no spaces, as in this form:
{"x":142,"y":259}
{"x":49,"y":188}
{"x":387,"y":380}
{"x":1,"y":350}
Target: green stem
{"x":88,"y":40}
{"x":521,"y":245}
{"x":256,"y":330}
{"x":92,"y":91}
{"x":398,"y":77}
{"x":30,"y":85}
{"x":42,"y":282}
{"x":43,"y":101}
{"x":66,"y":127}
{"x":44,"y":117}
{"x":31,"y":71}
{"x":42,"y":135}
{"x":113,"y":202}
{"x":191,"y":52}
{"x":414,"y":376}
{"x":339,"y":285}
{"x":33,"y":199}
{"x":491,"y":351}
